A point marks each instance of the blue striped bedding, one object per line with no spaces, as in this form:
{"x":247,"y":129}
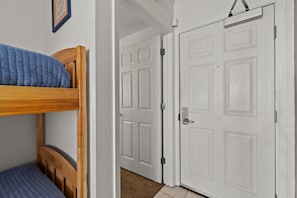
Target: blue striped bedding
{"x":27,"y":181}
{"x":21,"y":67}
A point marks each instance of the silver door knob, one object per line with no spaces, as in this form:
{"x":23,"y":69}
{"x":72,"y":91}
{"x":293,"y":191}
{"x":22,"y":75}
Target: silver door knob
{"x":186,"y":121}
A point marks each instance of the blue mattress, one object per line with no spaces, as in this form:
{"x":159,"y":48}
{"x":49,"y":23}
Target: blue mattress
{"x":21,"y":67}
{"x":27,"y":181}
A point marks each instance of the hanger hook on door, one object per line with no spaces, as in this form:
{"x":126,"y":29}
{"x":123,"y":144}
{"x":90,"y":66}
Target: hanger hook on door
{"x":244,"y":4}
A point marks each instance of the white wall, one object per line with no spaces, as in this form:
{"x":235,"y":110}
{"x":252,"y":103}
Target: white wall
{"x":21,"y":23}
{"x":21,"y":26}
{"x":156,"y":13}
{"x":195,"y":13}
{"x":17,"y":141}
{"x":61,"y":132}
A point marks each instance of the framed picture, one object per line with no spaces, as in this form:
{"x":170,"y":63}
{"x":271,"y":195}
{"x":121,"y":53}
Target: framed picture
{"x":61,"y":12}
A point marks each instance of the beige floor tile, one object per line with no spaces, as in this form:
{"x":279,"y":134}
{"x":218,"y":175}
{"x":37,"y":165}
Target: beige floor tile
{"x":162,"y":195}
{"x":176,"y":192}
{"x":193,"y":195}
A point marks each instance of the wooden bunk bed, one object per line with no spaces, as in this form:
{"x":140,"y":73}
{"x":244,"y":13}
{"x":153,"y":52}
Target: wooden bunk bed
{"x":18,"y":100}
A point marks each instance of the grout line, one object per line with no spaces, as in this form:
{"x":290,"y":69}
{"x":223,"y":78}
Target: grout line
{"x":167,"y":194}
{"x":186,"y":194}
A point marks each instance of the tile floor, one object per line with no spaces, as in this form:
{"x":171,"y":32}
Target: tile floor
{"x":176,"y":192}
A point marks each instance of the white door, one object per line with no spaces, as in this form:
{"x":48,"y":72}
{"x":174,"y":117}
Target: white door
{"x":140,"y":97}
{"x":227,"y":89}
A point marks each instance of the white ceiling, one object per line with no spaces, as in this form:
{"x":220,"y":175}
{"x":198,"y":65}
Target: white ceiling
{"x":129,"y":23}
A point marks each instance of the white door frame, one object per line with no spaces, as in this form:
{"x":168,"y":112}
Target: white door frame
{"x":285,"y":127}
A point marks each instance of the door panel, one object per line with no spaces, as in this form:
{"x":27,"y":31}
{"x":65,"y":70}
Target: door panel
{"x":127,"y":143}
{"x":201,"y":152}
{"x":127,"y":87}
{"x":140,"y":107}
{"x":145,"y":144}
{"x":227,"y":85}
{"x":201,"y":88}
{"x":145,"y":90}
{"x":241,"y":161}
{"x":240,"y":86}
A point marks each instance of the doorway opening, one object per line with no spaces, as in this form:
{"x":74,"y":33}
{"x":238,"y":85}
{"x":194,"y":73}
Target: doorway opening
{"x":140,"y":115}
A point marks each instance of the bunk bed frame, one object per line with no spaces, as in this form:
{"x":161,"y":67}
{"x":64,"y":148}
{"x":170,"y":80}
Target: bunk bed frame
{"x":18,"y":100}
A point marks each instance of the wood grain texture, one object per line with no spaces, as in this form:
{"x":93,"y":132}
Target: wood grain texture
{"x":17,"y":100}
{"x":82,"y":123}
{"x":74,"y":60}
{"x":40,"y":129}
{"x":59,"y":170}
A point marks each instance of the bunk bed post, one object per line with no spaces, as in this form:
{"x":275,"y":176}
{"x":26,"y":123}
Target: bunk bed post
{"x":39,"y":135}
{"x":81,"y":124}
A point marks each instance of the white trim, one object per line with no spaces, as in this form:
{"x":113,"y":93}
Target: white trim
{"x":107,"y":171}
{"x":285,"y":136}
{"x":169,"y":114}
{"x":285,"y":129}
{"x":153,"y":13}
{"x":116,"y":98}
{"x":171,"y":123}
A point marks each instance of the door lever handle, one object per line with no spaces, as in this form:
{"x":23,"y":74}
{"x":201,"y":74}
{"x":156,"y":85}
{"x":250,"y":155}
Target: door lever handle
{"x":186,"y":121}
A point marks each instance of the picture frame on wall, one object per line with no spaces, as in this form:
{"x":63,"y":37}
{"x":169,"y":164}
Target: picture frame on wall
{"x":61,"y":12}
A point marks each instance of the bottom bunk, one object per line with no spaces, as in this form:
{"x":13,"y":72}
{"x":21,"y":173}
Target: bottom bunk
{"x":54,"y":176}
{"x":27,"y":181}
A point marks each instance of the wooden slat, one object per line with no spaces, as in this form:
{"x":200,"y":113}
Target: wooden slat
{"x":17,"y":100}
{"x":43,"y":93}
{"x":60,"y":181}
{"x":57,"y":161}
{"x":10,"y":109}
{"x":39,"y":136}
{"x":74,"y":194}
{"x":51,"y":170}
{"x":69,"y":190}
{"x":70,"y":67}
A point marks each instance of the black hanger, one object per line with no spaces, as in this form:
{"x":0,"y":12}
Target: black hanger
{"x":244,"y":4}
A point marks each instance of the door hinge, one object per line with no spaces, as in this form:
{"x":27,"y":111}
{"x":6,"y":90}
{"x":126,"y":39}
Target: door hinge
{"x":275,"y":116}
{"x":163,"y":160}
{"x":163,"y":106}
{"x":178,"y":118}
{"x":162,"y":52}
{"x":275,"y":32}
{"x":275,"y":195}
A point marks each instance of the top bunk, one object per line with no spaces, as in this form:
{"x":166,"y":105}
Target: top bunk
{"x":18,"y":100}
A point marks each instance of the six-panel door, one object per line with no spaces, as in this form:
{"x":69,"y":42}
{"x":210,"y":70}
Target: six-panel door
{"x":140,"y":97}
{"x":227,"y":82}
